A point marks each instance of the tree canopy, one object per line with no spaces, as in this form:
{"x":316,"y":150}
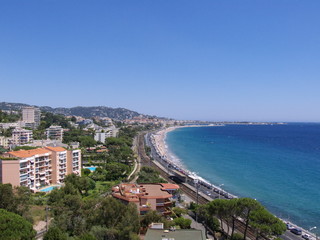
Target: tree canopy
{"x":15,"y":227}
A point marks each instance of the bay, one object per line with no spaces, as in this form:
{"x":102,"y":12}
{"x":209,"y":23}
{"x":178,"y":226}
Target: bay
{"x":279,"y":165}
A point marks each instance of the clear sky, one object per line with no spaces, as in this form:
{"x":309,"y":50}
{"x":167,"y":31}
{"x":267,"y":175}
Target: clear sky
{"x":253,"y":60}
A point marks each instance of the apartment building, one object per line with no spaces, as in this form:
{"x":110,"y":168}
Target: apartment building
{"x":4,"y":142}
{"x":31,"y":116}
{"x":146,"y":196}
{"x":54,"y":133}
{"x":39,"y":167}
{"x":21,"y":136}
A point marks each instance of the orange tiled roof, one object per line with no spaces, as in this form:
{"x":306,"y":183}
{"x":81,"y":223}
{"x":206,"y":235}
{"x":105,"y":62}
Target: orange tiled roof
{"x":29,"y":153}
{"x":169,"y":186}
{"x":56,"y":149}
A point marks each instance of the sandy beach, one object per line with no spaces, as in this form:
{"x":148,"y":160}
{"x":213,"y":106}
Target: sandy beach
{"x":159,"y":143}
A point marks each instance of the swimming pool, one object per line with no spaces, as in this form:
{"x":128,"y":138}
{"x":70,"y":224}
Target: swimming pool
{"x":92,"y":169}
{"x":48,"y":189}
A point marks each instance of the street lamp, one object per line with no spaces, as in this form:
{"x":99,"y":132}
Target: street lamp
{"x":220,"y":189}
{"x":312,"y":229}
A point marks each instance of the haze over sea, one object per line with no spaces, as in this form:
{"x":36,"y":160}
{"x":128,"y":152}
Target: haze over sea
{"x":279,"y":165}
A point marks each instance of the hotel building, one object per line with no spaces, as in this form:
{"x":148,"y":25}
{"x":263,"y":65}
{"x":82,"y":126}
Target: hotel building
{"x":39,"y":167}
{"x":146,"y":196}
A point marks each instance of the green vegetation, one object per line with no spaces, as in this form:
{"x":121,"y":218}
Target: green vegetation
{"x":8,"y":118}
{"x":54,"y":233}
{"x":6,"y":132}
{"x":149,"y":175}
{"x":183,"y":223}
{"x":15,"y":227}
{"x":101,"y":217}
{"x":15,"y":200}
{"x":24,"y":148}
{"x":250,"y":210}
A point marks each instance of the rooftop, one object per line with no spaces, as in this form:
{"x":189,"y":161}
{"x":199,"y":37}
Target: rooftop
{"x":28,"y":153}
{"x":56,"y":149}
{"x":132,"y":192}
{"x":181,"y":234}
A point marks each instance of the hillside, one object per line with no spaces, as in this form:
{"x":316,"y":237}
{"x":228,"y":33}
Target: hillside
{"x":87,"y":112}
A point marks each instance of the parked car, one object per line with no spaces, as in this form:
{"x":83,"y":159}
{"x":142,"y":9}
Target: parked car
{"x":289,"y":226}
{"x":306,"y":236}
{"x":296,"y":231}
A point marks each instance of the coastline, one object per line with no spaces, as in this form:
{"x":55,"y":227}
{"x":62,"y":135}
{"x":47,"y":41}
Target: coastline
{"x":158,"y":140}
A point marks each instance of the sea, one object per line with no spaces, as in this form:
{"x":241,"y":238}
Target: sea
{"x":278,"y":165}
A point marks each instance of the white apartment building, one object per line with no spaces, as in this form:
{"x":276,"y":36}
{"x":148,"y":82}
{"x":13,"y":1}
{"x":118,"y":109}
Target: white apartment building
{"x":4,"y":141}
{"x":21,"y":136}
{"x":54,"y":133}
{"x":31,"y":116}
{"x":104,"y":133}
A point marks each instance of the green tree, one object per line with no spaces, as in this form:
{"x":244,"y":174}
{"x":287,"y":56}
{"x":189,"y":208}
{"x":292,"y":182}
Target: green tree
{"x":149,"y":175}
{"x":85,"y":171}
{"x":184,"y":223}
{"x":246,"y":207}
{"x":179,"y":211}
{"x":205,"y":216}
{"x":55,"y":233}
{"x":219,"y":208}
{"x":150,"y":217}
{"x":7,"y":198}
{"x":266,"y":224}
{"x":15,"y":227}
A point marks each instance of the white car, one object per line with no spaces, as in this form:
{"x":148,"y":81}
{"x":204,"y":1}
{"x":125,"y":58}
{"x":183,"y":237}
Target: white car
{"x":289,"y":226}
{"x":306,"y":236}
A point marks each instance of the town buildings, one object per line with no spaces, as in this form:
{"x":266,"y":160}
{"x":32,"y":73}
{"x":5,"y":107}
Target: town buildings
{"x":21,"y":136}
{"x":31,"y":116}
{"x":39,"y":167}
{"x":146,"y":196}
{"x":54,"y":133}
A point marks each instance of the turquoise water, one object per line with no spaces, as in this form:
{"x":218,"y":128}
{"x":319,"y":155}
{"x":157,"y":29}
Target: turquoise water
{"x":92,"y":169}
{"x":48,"y":189}
{"x":279,"y":165}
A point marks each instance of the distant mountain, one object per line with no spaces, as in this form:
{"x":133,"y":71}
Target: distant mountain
{"x":86,"y":112}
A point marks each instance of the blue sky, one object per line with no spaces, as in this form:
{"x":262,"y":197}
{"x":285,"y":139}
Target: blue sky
{"x":207,"y":60}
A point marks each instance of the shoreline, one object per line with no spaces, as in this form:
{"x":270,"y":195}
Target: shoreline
{"x":158,"y":140}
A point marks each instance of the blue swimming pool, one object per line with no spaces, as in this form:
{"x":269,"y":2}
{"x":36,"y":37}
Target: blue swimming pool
{"x":92,"y":169}
{"x":48,"y":189}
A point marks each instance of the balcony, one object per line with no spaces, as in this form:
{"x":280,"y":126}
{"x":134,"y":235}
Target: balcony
{"x":166,"y":212}
{"x":24,"y":167}
{"x":144,"y":208}
{"x":23,"y":179}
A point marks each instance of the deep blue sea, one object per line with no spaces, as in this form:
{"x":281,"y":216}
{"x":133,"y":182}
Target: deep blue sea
{"x":279,"y":165}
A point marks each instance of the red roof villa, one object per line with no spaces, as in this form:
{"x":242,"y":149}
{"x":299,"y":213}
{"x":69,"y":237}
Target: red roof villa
{"x":146,"y":196}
